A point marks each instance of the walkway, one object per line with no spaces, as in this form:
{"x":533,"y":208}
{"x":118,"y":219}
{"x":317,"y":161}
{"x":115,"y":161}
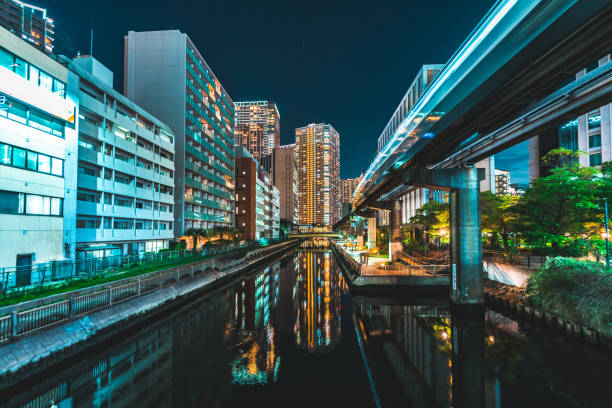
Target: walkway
{"x":378,"y":266}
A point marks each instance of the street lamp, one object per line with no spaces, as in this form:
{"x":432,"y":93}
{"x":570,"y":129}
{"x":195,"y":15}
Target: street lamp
{"x":607,"y":233}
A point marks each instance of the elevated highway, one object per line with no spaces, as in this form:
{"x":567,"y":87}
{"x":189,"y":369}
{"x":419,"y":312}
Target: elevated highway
{"x":513,"y":76}
{"x":515,"y":60}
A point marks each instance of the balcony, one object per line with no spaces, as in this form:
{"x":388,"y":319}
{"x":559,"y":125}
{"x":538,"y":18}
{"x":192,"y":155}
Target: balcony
{"x":89,"y":129}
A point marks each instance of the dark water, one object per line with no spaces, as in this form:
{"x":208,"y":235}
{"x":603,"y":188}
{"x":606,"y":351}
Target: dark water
{"x":291,"y":335}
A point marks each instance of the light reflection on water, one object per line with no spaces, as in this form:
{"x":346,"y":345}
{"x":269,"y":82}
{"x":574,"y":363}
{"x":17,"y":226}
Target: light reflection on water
{"x":291,"y":335}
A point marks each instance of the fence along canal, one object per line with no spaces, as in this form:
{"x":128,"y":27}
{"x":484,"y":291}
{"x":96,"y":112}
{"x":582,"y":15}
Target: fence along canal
{"x":28,"y":317}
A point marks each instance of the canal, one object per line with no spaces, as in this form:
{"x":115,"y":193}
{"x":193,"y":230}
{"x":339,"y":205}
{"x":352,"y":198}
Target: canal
{"x":291,"y":335}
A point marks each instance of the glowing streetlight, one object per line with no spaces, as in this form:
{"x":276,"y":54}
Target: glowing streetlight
{"x":607,"y":233}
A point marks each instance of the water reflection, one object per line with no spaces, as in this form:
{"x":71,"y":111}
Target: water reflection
{"x":217,"y":352}
{"x":428,"y":356}
{"x":291,"y":335}
{"x":317,"y":326}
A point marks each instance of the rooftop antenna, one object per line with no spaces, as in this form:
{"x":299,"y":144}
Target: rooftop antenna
{"x":91,"y":40}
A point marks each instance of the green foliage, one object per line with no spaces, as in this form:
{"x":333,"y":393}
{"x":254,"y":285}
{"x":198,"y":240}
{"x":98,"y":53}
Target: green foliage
{"x":560,"y":209}
{"x":562,"y":157}
{"x":434,"y":218}
{"x":580,"y":290}
{"x":498,"y":214}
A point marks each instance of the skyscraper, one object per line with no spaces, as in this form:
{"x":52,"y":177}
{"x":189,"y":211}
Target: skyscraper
{"x":258,"y":129}
{"x":347,"y":187}
{"x":166,"y":75}
{"x":286,"y":180}
{"x":28,"y":22}
{"x":318,"y":159}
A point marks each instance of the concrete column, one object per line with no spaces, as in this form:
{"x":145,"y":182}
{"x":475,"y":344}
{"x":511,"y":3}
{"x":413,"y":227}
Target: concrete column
{"x":466,"y":248}
{"x":395,"y":230}
{"x":371,"y":233}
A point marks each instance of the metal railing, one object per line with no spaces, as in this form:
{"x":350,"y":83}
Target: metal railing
{"x":39,"y":275}
{"x":21,"y":322}
{"x":527,"y":261}
{"x":392,"y":269}
{"x":21,"y":279}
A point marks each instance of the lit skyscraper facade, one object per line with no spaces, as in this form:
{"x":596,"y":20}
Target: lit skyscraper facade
{"x":165,"y":74}
{"x":29,"y":23}
{"x":318,"y":159}
{"x":347,"y":187}
{"x":258,"y":129}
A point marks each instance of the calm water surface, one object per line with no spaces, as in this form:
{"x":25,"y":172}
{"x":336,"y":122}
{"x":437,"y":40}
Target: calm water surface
{"x":291,"y":335}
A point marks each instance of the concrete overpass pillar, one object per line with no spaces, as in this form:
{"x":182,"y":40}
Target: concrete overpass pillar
{"x":395,"y":230}
{"x":371,"y":233}
{"x":465,"y":238}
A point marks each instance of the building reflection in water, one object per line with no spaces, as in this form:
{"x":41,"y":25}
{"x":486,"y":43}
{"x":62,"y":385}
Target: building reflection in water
{"x":319,"y":288}
{"x":422,"y":355}
{"x":253,"y":335}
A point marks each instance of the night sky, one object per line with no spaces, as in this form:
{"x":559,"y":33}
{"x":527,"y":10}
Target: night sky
{"x":347,"y":63}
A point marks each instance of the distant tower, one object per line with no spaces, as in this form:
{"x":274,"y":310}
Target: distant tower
{"x":318,"y":159}
{"x":258,"y":130}
{"x":29,"y":23}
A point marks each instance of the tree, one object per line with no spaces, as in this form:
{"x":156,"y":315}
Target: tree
{"x":498,"y":214}
{"x":562,"y":157}
{"x":561,"y":210}
{"x":434,"y":218}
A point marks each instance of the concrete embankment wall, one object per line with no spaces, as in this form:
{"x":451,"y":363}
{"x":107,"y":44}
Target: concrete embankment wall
{"x":30,"y":354}
{"x":504,"y":273}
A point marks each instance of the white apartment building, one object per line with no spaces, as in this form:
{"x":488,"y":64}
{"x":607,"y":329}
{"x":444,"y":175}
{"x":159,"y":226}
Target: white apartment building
{"x":125,"y":202}
{"x":38,"y":154}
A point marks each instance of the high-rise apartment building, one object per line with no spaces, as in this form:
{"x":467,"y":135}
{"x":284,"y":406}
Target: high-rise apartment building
{"x":125,"y":178}
{"x":317,"y":149}
{"x":258,"y":129}
{"x":347,"y":188}
{"x":167,"y":76}
{"x":286,"y":180}
{"x":29,"y":23}
{"x":38,"y":160}
{"x":257,"y":199}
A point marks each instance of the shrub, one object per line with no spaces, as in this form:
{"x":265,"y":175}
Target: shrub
{"x":580,"y":290}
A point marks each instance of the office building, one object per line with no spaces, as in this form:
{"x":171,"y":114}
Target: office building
{"x":257,"y":200}
{"x":426,"y":75}
{"x":590,"y":133}
{"x":125,"y":179}
{"x":258,"y":129}
{"x":167,"y":76}
{"x":347,"y":188}
{"x":38,"y":159}
{"x":318,"y":159}
{"x":286,"y":180}
{"x":29,"y":23}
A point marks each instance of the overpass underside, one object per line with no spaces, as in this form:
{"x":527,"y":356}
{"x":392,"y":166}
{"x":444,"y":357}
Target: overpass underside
{"x":504,"y":83}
